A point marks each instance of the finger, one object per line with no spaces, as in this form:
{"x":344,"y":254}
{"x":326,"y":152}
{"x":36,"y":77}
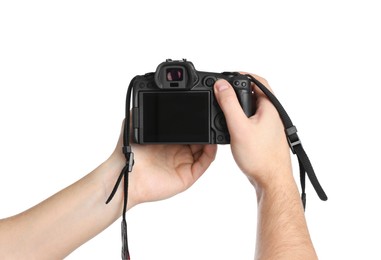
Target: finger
{"x":228,"y":101}
{"x":205,"y":158}
{"x":197,"y":150}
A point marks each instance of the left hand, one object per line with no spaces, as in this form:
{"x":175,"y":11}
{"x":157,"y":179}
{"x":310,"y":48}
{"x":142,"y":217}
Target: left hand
{"x":162,"y":171}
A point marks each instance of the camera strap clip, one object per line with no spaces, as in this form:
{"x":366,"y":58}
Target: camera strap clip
{"x":129,"y":157}
{"x":292,"y":138}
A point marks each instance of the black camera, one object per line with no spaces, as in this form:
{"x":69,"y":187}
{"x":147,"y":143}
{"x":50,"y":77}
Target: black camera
{"x":176,"y":104}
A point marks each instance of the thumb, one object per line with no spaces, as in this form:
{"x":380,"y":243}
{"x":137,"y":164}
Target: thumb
{"x":228,"y":101}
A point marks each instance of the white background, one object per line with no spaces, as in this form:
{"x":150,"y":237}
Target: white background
{"x":64,"y":70}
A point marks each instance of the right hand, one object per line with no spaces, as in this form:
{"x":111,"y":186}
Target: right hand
{"x":258,"y":143}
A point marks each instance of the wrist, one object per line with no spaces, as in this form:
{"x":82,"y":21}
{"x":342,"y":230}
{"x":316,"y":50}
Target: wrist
{"x":281,"y":221}
{"x":111,"y":170}
{"x":280,"y":179}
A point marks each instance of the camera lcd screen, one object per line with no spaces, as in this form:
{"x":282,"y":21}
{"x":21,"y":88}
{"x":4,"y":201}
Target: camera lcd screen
{"x":176,"y":117}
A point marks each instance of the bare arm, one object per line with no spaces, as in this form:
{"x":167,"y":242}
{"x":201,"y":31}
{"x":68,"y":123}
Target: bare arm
{"x":63,"y":222}
{"x":57,"y":226}
{"x":282,"y":229}
{"x":261,"y":151}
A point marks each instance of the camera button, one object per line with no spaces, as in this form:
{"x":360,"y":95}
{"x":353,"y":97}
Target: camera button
{"x":220,"y":122}
{"x":236,"y":83}
{"x":209,"y":81}
{"x":243,"y":84}
{"x":220,"y":138}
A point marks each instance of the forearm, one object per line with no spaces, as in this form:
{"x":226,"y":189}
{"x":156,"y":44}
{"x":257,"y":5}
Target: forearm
{"x":282,"y":231}
{"x":63,"y":222}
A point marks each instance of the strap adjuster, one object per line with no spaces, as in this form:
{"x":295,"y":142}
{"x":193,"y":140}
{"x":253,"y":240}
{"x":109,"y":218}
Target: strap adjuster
{"x":130,"y":161}
{"x":129,"y":156}
{"x":126,"y":150}
{"x":292,"y":138}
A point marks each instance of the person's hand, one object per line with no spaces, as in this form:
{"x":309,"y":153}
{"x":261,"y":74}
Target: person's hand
{"x":162,"y":171}
{"x":258,"y":143}
{"x":260,"y":148}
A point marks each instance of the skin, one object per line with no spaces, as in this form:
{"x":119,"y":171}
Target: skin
{"x":57,"y":226}
{"x":63,"y":222}
{"x":281,"y":227}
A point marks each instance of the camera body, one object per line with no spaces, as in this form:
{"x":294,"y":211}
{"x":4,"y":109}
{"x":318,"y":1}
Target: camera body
{"x":176,"y":105}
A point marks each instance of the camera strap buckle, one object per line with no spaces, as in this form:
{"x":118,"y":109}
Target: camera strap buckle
{"x":292,"y":138}
{"x":129,"y":156}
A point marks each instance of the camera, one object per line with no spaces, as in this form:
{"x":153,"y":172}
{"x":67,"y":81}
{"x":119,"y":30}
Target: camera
{"x":176,"y":105}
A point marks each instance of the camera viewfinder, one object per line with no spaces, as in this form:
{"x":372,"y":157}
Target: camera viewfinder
{"x":175,"y":74}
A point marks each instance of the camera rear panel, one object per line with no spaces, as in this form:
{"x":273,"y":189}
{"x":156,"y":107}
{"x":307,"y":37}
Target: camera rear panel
{"x":178,"y":115}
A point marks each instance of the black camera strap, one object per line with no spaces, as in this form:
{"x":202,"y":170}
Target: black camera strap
{"x":292,"y":138}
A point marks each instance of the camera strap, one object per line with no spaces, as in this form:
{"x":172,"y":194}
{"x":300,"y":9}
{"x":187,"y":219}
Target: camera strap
{"x":295,"y":144}
{"x":129,"y":155}
{"x":305,"y":166}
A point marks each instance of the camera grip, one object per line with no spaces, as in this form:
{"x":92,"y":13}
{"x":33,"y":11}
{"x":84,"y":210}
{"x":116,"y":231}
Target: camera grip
{"x":243,"y":91}
{"x":245,"y":99}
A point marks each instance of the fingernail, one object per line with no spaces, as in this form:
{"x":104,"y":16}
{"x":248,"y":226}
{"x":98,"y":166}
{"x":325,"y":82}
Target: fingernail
{"x":221,"y":85}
